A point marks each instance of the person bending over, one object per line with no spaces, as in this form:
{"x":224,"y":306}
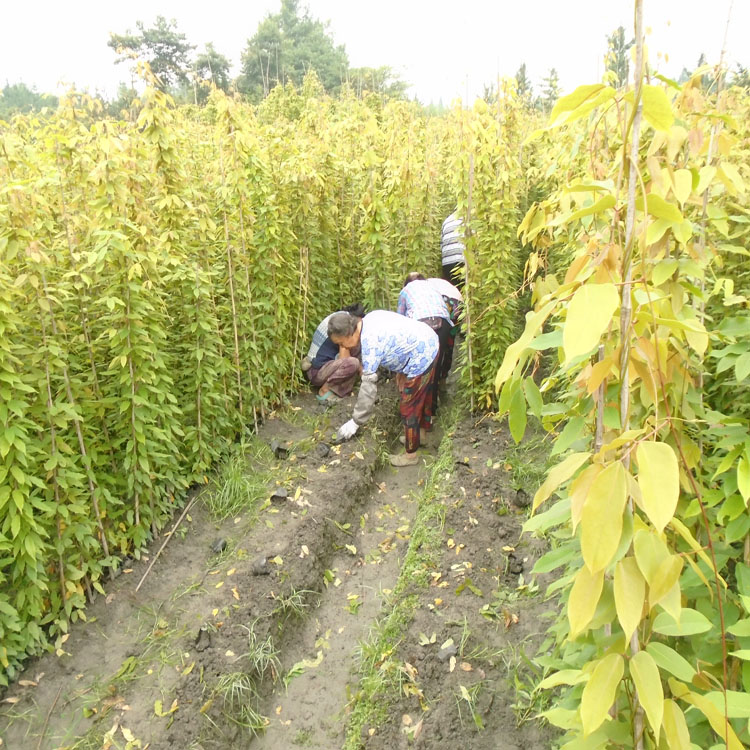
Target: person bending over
{"x":421,"y":301}
{"x":402,"y":345}
{"x":329,"y":367}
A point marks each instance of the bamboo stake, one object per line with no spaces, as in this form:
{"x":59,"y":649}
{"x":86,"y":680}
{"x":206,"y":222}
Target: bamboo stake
{"x":626,"y":309}
{"x":166,"y":541}
{"x":467,"y":235}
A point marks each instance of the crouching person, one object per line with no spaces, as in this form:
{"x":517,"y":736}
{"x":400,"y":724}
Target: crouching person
{"x":331,"y":368}
{"x":402,"y":345}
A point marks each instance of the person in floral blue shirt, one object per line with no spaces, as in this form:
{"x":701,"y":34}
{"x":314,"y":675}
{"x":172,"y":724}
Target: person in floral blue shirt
{"x":402,"y":345}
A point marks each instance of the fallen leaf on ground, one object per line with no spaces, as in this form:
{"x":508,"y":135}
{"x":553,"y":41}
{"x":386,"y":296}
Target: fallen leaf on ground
{"x":406,"y":720}
{"x":452,"y":664}
{"x":235,"y":593}
{"x":466,"y":667}
{"x":27,"y":683}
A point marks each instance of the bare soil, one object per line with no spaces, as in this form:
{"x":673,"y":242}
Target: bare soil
{"x":310,"y":573}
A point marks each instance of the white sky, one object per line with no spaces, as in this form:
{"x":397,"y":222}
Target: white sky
{"x":444,"y":49}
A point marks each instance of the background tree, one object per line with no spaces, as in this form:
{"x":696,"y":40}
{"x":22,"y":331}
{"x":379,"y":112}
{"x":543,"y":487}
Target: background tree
{"x":741,"y":77}
{"x":163,"y":47}
{"x":550,"y":91}
{"x":523,"y":84}
{"x":211,"y":67}
{"x":616,"y":58}
{"x":382,"y":80}
{"x":285,"y":46}
{"x":18,"y":97}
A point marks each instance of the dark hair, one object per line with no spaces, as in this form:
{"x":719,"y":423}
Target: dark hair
{"x":413,"y":276}
{"x":357,"y":309}
{"x":342,"y":325}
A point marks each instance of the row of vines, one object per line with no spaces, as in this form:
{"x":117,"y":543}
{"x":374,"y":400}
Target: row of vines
{"x":160,"y":278}
{"x":636,"y":355}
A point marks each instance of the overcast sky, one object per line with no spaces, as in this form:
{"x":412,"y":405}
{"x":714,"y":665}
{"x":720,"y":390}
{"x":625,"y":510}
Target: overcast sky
{"x":444,"y":49}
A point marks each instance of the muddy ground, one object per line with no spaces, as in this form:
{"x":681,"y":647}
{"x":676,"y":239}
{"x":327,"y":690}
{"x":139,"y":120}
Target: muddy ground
{"x":258,"y":632}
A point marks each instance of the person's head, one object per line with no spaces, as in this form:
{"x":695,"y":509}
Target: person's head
{"x":344,"y":329}
{"x":357,"y":309}
{"x":413,"y":276}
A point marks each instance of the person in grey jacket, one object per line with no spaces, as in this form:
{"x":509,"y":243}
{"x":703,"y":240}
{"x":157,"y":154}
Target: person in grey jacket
{"x":452,"y":250}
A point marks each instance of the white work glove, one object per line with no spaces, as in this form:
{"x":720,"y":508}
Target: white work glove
{"x":347,"y":430}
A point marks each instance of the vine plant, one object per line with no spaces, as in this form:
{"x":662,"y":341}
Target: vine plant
{"x":652,"y":649}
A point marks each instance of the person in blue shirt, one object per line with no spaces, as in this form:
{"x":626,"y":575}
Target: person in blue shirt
{"x":402,"y":345}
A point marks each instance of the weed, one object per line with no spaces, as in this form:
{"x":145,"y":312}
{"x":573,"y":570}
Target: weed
{"x":529,"y":462}
{"x":235,"y":489}
{"x":239,"y":698}
{"x":292,"y":605}
{"x":467,"y":698}
{"x":262,"y":654}
{"x":303,"y":737}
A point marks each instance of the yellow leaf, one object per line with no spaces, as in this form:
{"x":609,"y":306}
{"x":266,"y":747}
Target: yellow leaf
{"x":683,"y":185}
{"x":127,"y":734}
{"x":647,"y":681}
{"x":715,"y":718}
{"x":236,"y":594}
{"x":219,"y":584}
{"x":599,"y":692}
{"x":656,"y":108}
{"x":651,"y":553}
{"x":675,"y":727}
{"x":559,"y":474}
{"x":630,"y":591}
{"x":659,"y":480}
{"x":579,"y":488}
{"x":589,"y":314}
{"x":584,"y":596}
{"x":601,"y":518}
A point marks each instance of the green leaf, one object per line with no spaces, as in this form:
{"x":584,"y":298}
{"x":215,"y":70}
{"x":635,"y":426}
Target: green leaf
{"x":741,"y":628}
{"x":589,"y":315}
{"x":656,"y":108}
{"x":659,"y":480}
{"x":658,"y":207}
{"x":533,"y":397}
{"x":647,"y":681}
{"x":668,"y":659}
{"x":534,"y":321}
{"x":601,"y":518}
{"x":599,"y":693}
{"x":691,"y":623}
{"x":742,"y":367}
{"x":571,"y":432}
{"x":517,"y":415}
{"x":603,"y":204}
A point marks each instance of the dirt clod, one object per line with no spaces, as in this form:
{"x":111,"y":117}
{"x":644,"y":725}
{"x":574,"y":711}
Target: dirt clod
{"x":218,"y":546}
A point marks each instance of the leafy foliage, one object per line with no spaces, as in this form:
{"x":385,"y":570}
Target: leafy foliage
{"x":160,"y":280}
{"x":646,"y":326}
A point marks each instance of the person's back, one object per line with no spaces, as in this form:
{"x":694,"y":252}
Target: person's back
{"x":420,"y":300}
{"x":451,"y":241}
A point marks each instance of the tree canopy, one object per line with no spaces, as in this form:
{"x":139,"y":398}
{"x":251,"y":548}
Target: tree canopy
{"x":285,"y":46}
{"x":162,"y":46}
{"x":18,"y":97}
{"x":616,"y":58}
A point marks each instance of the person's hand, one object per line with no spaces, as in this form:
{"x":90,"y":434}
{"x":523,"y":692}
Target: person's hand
{"x":347,"y":430}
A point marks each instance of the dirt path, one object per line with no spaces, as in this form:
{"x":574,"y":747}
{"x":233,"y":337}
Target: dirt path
{"x":310,"y":711}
